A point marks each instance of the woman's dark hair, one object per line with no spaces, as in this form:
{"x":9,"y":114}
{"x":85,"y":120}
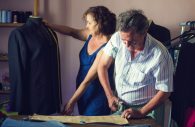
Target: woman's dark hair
{"x":104,"y":17}
{"x":132,"y":20}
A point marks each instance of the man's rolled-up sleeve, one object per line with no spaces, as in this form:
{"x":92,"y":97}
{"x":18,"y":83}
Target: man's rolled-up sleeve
{"x":111,"y":47}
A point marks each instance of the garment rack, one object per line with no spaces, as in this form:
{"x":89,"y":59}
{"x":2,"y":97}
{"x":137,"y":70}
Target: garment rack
{"x":189,"y":24}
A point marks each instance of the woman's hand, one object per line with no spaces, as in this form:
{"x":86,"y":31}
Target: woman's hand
{"x":45,"y":22}
{"x":68,"y":109}
{"x":113,"y":103}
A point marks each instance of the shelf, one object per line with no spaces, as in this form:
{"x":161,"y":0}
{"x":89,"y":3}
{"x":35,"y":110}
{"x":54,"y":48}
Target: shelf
{"x":3,"y":58}
{"x":5,"y":102}
{"x":5,"y":97}
{"x":5,"y":92}
{"x":10,"y":24}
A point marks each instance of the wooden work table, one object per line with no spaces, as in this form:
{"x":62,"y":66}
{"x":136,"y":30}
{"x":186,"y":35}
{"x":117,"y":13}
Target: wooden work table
{"x":132,"y":122}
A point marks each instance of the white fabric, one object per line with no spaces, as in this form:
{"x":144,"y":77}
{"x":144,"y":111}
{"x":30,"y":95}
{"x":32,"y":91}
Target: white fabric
{"x":137,"y":80}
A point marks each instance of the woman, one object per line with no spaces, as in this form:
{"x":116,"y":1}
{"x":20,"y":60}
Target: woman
{"x":100,"y":25}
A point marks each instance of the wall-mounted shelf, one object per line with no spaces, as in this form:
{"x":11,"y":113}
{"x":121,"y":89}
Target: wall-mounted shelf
{"x":5,"y":92}
{"x":10,"y":24}
{"x":5,"y":97}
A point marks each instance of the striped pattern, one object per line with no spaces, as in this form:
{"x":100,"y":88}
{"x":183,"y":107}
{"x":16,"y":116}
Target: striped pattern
{"x":138,"y":80}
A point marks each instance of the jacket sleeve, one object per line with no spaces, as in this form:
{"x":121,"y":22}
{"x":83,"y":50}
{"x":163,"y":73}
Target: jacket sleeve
{"x":17,"y":58}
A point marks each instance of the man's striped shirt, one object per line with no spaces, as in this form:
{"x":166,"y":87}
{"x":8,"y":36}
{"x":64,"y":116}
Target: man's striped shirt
{"x":138,"y":80}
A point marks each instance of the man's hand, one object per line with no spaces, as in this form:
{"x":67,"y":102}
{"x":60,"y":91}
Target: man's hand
{"x":132,"y":113}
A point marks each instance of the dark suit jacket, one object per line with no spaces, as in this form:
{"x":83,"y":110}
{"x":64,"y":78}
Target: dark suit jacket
{"x":183,"y":96}
{"x":160,"y":33}
{"x":34,"y":69}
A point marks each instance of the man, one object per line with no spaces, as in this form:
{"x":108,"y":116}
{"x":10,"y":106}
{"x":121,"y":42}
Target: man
{"x":143,"y":68}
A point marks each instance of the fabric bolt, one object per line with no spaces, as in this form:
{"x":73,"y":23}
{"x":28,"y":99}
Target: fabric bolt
{"x":93,"y":101}
{"x":189,"y":117}
{"x":34,"y":69}
{"x":138,"y":80}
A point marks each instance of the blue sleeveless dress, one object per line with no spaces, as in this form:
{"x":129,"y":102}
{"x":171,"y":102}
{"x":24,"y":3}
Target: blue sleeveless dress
{"x":93,"y":102}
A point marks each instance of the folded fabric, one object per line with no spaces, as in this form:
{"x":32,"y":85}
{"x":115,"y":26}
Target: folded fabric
{"x":190,"y":117}
{"x":21,"y":123}
{"x":112,"y":119}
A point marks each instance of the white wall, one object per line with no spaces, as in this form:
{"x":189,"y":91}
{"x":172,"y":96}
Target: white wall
{"x":167,"y":13}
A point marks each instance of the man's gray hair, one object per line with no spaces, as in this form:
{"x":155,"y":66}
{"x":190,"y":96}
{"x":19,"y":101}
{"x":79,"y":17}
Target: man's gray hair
{"x":132,"y":20}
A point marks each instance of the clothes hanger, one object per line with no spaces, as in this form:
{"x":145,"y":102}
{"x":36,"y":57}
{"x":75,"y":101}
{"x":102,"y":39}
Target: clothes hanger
{"x":185,"y":36}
